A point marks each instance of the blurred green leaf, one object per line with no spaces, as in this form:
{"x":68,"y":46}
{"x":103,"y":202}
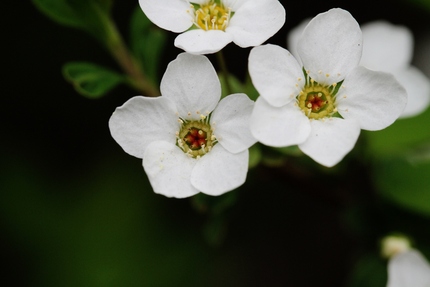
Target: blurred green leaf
{"x":404,"y":182}
{"x":423,"y":3}
{"x":60,"y":11}
{"x":147,"y":42}
{"x":235,"y":85}
{"x":91,"y":80}
{"x":400,"y":136}
{"x":255,"y":155}
{"x":88,"y":15}
{"x":370,"y":271}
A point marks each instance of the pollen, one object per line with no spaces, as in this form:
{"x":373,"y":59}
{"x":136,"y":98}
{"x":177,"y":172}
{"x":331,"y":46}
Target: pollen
{"x":317,"y":101}
{"x":213,"y":16}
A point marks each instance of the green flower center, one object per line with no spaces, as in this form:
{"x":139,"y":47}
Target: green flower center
{"x":318,"y":101}
{"x":212,"y":16}
{"x":196,"y":138}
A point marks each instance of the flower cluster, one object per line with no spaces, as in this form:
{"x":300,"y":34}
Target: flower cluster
{"x":192,"y":142}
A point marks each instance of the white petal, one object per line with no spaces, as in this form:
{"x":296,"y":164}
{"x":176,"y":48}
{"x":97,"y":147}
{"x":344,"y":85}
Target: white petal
{"x":172,"y":15}
{"x":330,"y":140}
{"x":275,"y":74}
{"x":331,"y":46}
{"x":256,"y":21}
{"x":231,"y":123}
{"x":386,"y":47}
{"x":279,"y":127}
{"x":220,"y":171}
{"x":408,"y":269}
{"x":417,"y":86}
{"x":234,"y":5}
{"x":141,"y":121}
{"x":199,"y":41}
{"x":191,"y":82}
{"x":374,"y":99}
{"x":169,"y":170}
{"x":294,"y":36}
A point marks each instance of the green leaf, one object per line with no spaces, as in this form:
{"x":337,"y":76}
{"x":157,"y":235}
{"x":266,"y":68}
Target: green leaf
{"x":370,"y":271}
{"x":88,"y":15}
{"x":400,"y":136}
{"x":405,"y":182}
{"x":235,"y":84}
{"x":147,"y":42}
{"x":60,"y":11}
{"x":91,"y":80}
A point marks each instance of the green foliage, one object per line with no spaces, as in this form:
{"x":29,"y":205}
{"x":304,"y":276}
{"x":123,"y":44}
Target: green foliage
{"x":88,"y":15}
{"x":404,"y":182}
{"x":91,"y":80}
{"x":370,"y":271}
{"x":147,"y":42}
{"x":234,"y":84}
{"x":400,"y":136}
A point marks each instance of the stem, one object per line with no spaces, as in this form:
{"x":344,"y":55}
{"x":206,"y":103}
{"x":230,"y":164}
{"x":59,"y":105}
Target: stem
{"x":225,"y":73}
{"x":127,"y":62}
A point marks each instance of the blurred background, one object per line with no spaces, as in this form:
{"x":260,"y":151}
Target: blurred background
{"x":76,"y":210}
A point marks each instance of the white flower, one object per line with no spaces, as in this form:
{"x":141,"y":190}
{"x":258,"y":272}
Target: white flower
{"x":189,"y":141}
{"x":323,"y":105}
{"x":408,"y":269}
{"x":207,"y":26}
{"x":387,"y":48}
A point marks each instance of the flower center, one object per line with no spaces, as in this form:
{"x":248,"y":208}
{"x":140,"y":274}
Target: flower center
{"x":195,"y":138}
{"x":212,"y":16}
{"x":317,"y":101}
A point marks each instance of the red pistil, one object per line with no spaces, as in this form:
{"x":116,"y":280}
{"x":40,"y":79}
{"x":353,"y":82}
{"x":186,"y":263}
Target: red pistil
{"x":195,"y":138}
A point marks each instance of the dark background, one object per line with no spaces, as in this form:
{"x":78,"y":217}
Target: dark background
{"x":75,"y":210}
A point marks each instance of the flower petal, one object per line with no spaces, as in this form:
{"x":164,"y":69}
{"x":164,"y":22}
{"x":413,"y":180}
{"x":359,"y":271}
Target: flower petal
{"x":256,"y":21}
{"x":417,"y":86}
{"x":330,"y":140}
{"x":169,"y":170}
{"x":231,"y":123}
{"x":172,"y":15}
{"x":191,"y":82}
{"x":294,"y":36}
{"x":374,"y":99}
{"x":279,"y":127}
{"x":141,"y":120}
{"x":199,"y":41}
{"x":220,"y":171}
{"x":386,"y":47}
{"x":408,"y":269}
{"x":234,"y":5}
{"x":275,"y":74}
{"x":330,"y":46}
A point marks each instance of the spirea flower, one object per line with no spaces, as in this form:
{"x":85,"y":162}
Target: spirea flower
{"x":407,"y":267}
{"x":189,"y":140}
{"x":387,"y":48}
{"x":207,"y":26}
{"x":321,"y":104}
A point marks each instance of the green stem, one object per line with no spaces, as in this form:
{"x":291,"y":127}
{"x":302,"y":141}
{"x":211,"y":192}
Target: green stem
{"x":128,"y":63}
{"x":225,"y":73}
